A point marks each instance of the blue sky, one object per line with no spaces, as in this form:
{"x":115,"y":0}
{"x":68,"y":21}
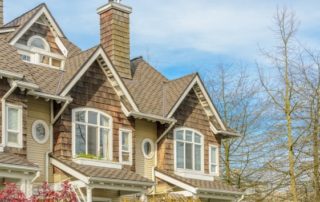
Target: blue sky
{"x":184,"y":36}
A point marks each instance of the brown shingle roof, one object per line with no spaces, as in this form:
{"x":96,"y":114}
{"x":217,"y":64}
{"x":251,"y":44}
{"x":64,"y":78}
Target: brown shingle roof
{"x":215,"y":185}
{"x":152,"y":92}
{"x":101,"y":172}
{"x":14,"y":160}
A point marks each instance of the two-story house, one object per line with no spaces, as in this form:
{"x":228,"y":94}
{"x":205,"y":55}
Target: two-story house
{"x":112,"y":126}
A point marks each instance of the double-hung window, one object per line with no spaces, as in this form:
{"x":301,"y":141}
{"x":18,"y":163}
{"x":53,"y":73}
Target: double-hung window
{"x":214,"y":160}
{"x":14,"y":126}
{"x":188,"y":150}
{"x":92,"y":134}
{"x":125,"y":146}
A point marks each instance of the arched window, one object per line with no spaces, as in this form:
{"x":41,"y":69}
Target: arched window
{"x":38,"y":42}
{"x":92,"y":134}
{"x":188,"y":144}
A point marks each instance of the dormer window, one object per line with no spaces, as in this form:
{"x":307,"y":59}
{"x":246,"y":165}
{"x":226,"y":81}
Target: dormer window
{"x":38,"y":42}
{"x":37,"y":51}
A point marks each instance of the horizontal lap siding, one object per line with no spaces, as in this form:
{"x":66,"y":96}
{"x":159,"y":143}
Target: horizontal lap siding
{"x":92,"y":90}
{"x":189,"y":114}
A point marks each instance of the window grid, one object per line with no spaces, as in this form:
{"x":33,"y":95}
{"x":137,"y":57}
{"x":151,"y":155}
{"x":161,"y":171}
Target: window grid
{"x":125,"y":147}
{"x":193,"y":139}
{"x":17,"y":131}
{"x":103,"y":148}
{"x":214,"y":159}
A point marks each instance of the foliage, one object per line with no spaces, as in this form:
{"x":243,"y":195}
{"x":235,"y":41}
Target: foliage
{"x":11,"y":193}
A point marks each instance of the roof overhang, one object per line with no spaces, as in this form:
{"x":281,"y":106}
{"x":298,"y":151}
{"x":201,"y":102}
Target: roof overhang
{"x":151,"y":117}
{"x":10,"y":75}
{"x":102,"y":183}
{"x":198,"y":191}
{"x":112,"y":75}
{"x":43,"y":11}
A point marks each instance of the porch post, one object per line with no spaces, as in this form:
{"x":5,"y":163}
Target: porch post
{"x":89,"y":194}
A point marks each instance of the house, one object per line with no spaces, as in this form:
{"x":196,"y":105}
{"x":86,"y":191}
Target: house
{"x":112,"y":126}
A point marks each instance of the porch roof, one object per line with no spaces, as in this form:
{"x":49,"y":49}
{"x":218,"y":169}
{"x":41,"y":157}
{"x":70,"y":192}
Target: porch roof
{"x":101,"y":177}
{"x":204,"y":188}
{"x":15,"y":162}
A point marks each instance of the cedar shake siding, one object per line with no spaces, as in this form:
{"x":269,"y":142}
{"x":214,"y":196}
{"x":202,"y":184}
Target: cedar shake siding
{"x":115,"y":38}
{"x":92,"y":90}
{"x":16,"y":98}
{"x":40,"y":30}
{"x":189,"y":114}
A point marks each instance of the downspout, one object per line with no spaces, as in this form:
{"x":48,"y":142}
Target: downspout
{"x":3,"y":107}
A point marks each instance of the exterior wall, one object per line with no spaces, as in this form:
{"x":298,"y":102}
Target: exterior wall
{"x":144,"y":129}
{"x":16,"y":98}
{"x":189,"y":114}
{"x":43,"y":31}
{"x":38,"y":110}
{"x":115,"y":39}
{"x":92,"y":90}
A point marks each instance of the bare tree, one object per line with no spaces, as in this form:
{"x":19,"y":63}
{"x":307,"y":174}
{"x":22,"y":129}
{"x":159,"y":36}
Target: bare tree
{"x":282,"y":90}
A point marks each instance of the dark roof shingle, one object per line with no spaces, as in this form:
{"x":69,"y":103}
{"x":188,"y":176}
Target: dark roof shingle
{"x":15,"y":160}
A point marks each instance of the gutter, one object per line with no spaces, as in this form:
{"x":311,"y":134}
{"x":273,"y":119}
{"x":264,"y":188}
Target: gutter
{"x":150,"y":117}
{"x":231,"y":134}
{"x":10,"y":75}
{"x":3,"y":106}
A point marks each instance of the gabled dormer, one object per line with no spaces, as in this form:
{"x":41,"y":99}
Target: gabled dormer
{"x":38,"y":39}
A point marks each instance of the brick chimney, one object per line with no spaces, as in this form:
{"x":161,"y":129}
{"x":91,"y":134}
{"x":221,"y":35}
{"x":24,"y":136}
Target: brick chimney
{"x":1,"y":13}
{"x":115,"y":35}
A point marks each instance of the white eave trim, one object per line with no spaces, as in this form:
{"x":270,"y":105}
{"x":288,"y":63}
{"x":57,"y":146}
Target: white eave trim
{"x":7,"y":29}
{"x":25,"y":85}
{"x":198,"y":81}
{"x":44,"y":11}
{"x":18,"y":167}
{"x":50,"y":97}
{"x":93,"y":58}
{"x":176,"y":182}
{"x":10,"y":75}
{"x":151,"y":117}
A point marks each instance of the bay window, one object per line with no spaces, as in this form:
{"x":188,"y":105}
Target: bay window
{"x":188,"y":149}
{"x":214,"y":160}
{"x":125,"y":146}
{"x":14,"y":126}
{"x":92,"y":134}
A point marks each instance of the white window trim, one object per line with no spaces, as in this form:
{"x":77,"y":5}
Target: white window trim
{"x":151,"y":155}
{"x":110,"y":145}
{"x":20,"y":134}
{"x":201,"y":171}
{"x":217,"y":159}
{"x":130,"y":146}
{"x":35,"y":123}
{"x":46,"y":48}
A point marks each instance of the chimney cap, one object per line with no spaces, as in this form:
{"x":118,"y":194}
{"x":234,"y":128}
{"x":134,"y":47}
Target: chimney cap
{"x":117,"y":1}
{"x":116,"y":5}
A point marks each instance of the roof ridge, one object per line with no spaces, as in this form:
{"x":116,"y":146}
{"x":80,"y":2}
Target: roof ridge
{"x":183,"y":77}
{"x":24,"y":14}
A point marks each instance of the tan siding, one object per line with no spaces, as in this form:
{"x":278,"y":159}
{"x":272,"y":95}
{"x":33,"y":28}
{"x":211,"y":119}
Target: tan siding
{"x":36,"y":153}
{"x":144,"y":129}
{"x":189,"y":114}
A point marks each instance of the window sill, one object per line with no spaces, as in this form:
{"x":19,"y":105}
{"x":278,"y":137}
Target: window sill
{"x":98,"y":163}
{"x":18,"y":146}
{"x":198,"y":175}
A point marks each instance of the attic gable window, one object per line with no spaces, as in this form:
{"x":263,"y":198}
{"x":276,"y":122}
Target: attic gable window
{"x":37,"y":51}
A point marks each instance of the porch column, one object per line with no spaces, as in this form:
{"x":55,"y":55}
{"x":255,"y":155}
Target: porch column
{"x":89,"y":194}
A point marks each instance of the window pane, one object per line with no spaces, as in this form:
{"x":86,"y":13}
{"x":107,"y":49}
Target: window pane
{"x":103,"y":142}
{"x":81,"y":116}
{"x":179,"y":135}
{"x":189,"y":135}
{"x":189,"y":158}
{"x":92,"y":140}
{"x":125,"y":156}
{"x":147,"y":148}
{"x":125,"y":141}
{"x":197,"y":138}
{"x":38,"y":43}
{"x":92,"y":117}
{"x":13,"y":119}
{"x":213,"y":155}
{"x":104,"y":121}
{"x":44,"y":59}
{"x":56,"y":62}
{"x":213,"y":168}
{"x":180,"y":155}
{"x":197,"y":157}
{"x":13,"y":137}
{"x":80,"y":139}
